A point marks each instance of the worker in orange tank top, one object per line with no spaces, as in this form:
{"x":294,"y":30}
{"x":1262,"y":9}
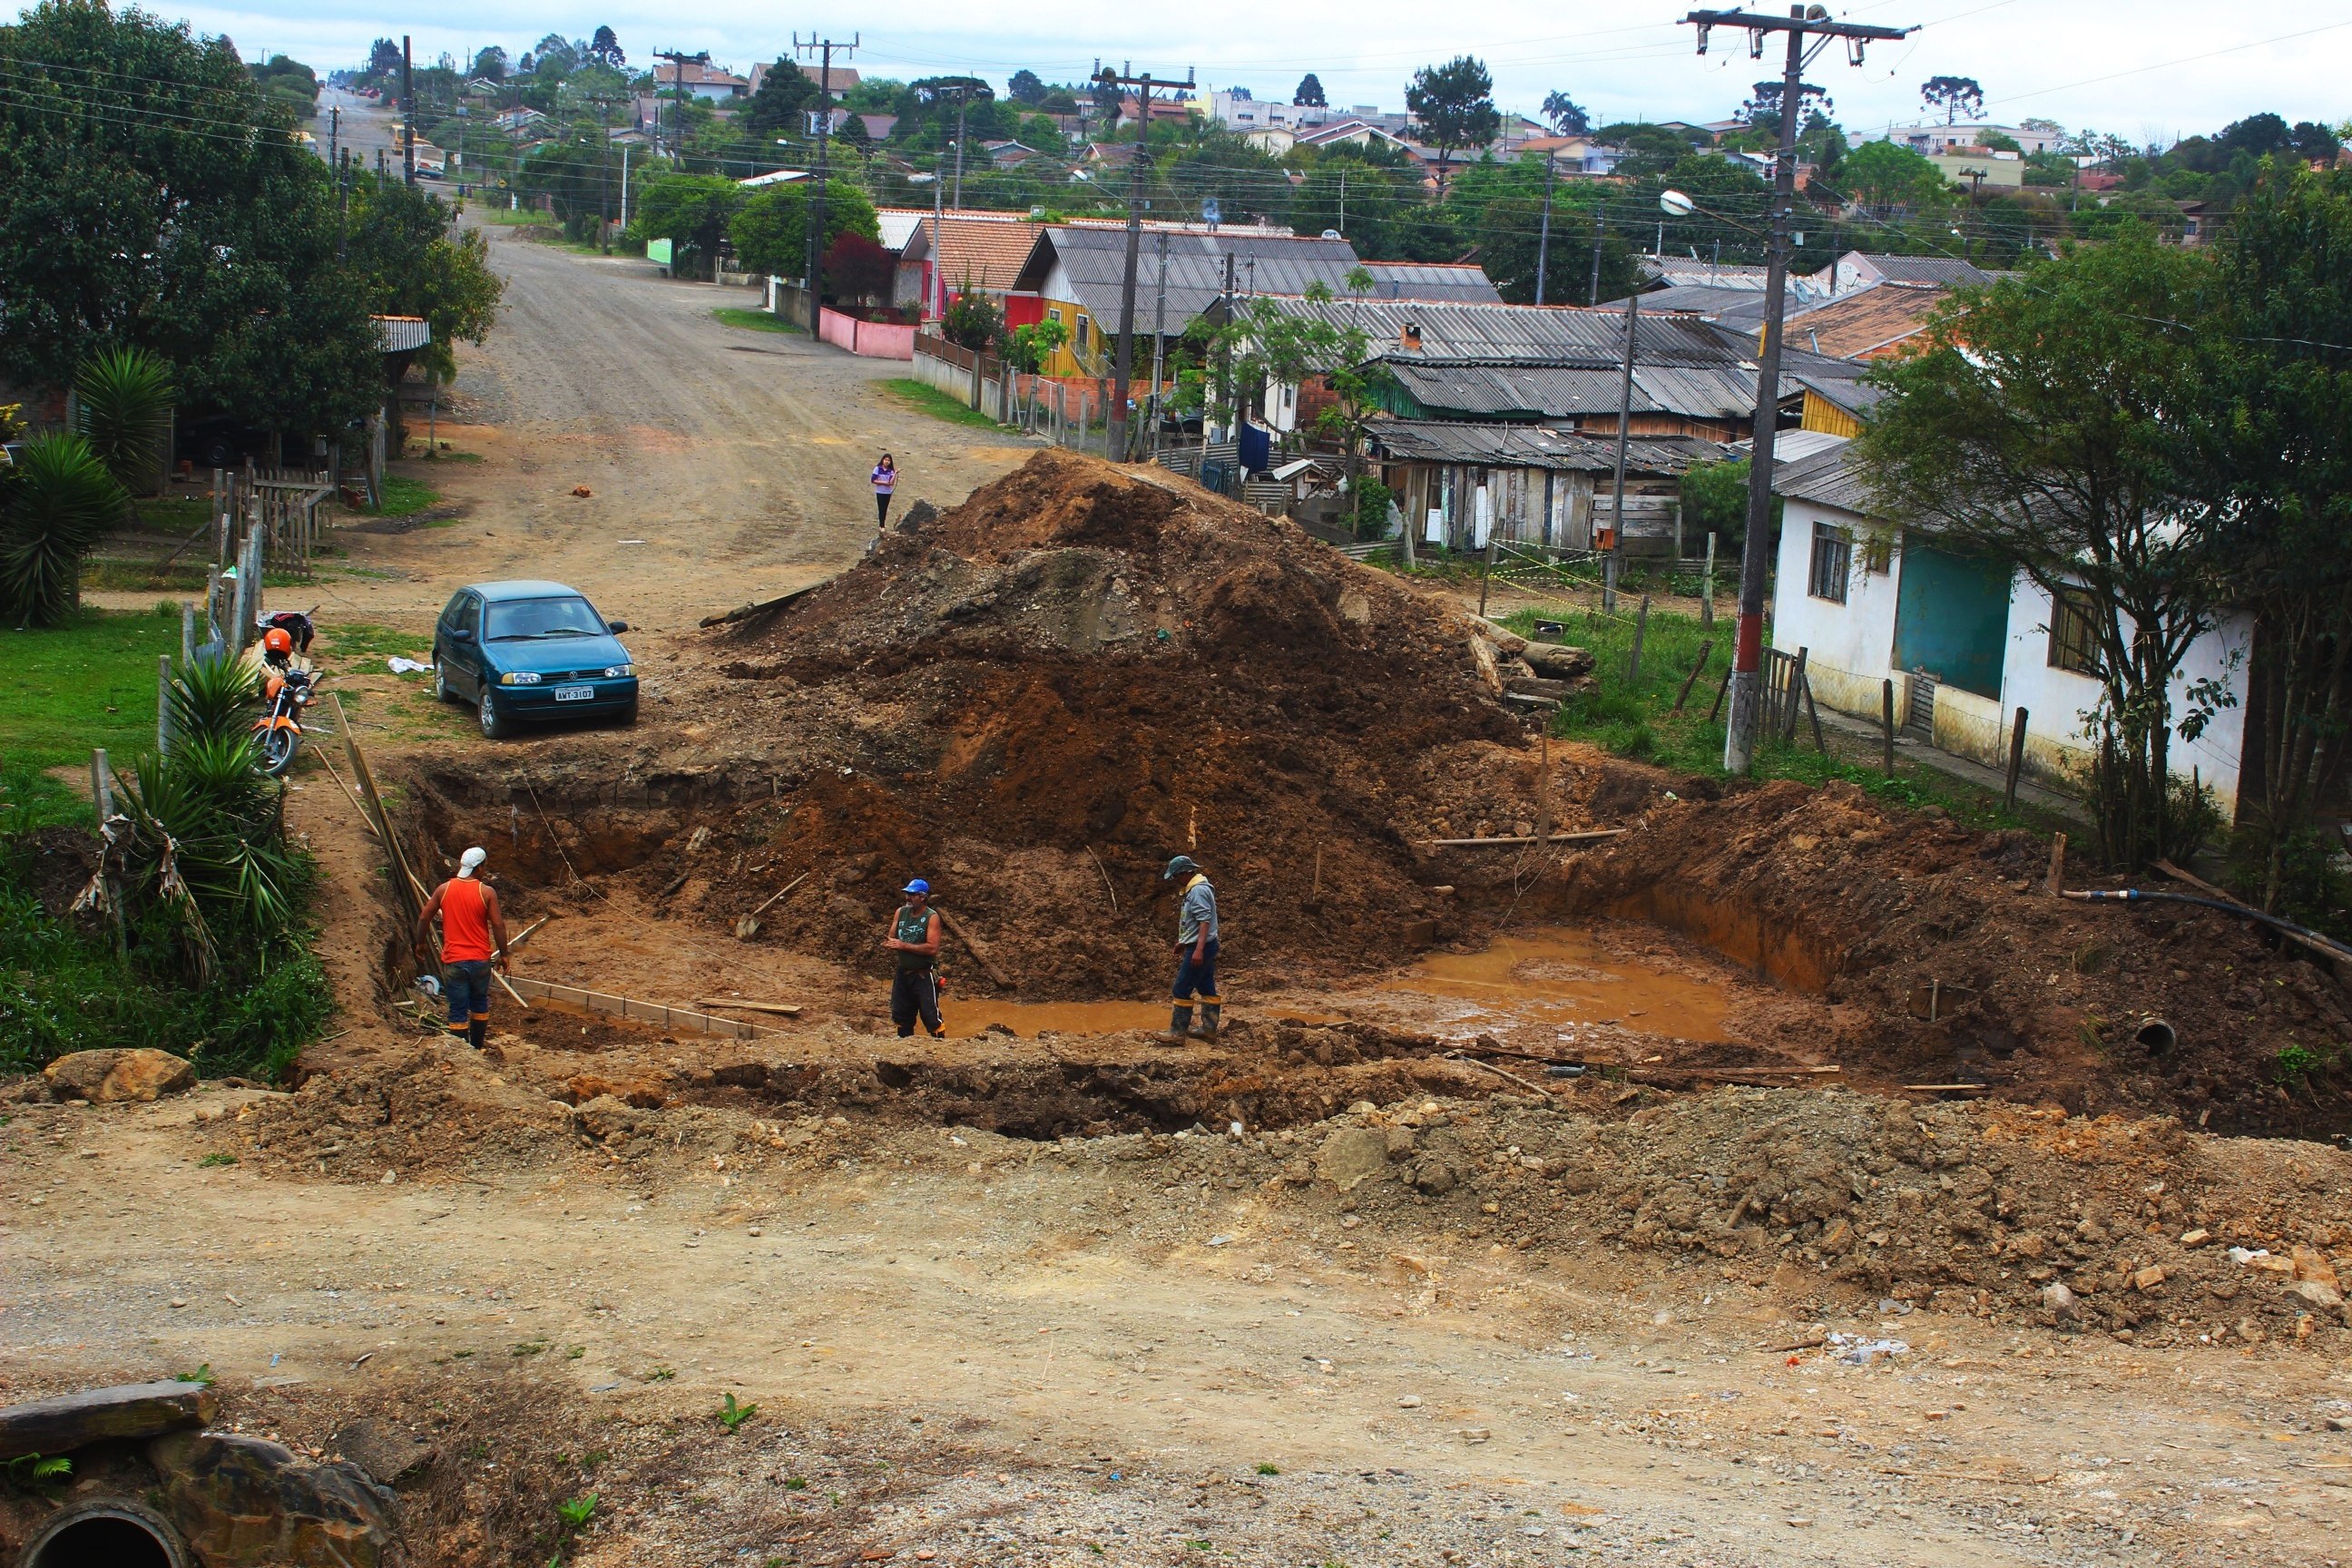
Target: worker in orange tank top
{"x":473,"y":937}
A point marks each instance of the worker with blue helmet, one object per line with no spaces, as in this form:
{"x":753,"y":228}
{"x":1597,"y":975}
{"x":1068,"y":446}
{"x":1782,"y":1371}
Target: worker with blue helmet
{"x":914,"y":936}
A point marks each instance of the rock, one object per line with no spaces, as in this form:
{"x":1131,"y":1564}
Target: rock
{"x":61,"y":1425}
{"x":921,"y":513}
{"x":1559,"y":662}
{"x":2028,"y":1244}
{"x":107,"y":1077}
{"x":1838,"y":1239}
{"x":2313,"y":1264}
{"x":1298,"y":1173}
{"x":2149,"y":1277}
{"x":1409,"y":1402}
{"x":2318,"y":1292}
{"x":1352,"y":1156}
{"x":1400,"y":1142}
{"x":387,"y":1454}
{"x":2339,"y":1424}
{"x":2197,"y":1238}
{"x":2058,"y":1299}
{"x":608,"y":1119}
{"x":242,"y":1501}
{"x":1475,"y":1435}
{"x":1437,"y":1178}
{"x":2272,"y":1263}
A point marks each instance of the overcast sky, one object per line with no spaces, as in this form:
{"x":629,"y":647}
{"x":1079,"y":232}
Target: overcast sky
{"x":2141,"y":68}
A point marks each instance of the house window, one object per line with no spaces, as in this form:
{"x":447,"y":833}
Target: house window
{"x":1054,"y":316}
{"x":1878,"y":555}
{"x":2074,"y":632}
{"x":1083,"y":324}
{"x":1833,"y":560}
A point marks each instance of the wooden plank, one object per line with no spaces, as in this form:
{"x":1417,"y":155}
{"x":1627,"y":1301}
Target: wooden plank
{"x":980,"y":954}
{"x":1592,"y":836}
{"x":788,"y":1009}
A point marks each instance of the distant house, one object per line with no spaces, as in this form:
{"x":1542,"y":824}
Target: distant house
{"x":1577,"y":155}
{"x":1934,"y":137}
{"x":1857,"y":267}
{"x":841,"y":79}
{"x":709,"y":83}
{"x":1972,"y":168}
{"x":1457,"y":483}
{"x":975,"y":251}
{"x":1008,"y":155}
{"x":1460,"y":283}
{"x":1864,"y":324}
{"x":1966,"y":641}
{"x":879,"y":126}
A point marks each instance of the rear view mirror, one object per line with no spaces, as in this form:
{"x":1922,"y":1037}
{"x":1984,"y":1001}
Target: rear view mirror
{"x":616,"y":628}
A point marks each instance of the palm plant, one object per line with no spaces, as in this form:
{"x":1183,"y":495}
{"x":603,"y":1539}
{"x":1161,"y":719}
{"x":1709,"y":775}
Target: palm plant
{"x":204,"y":848}
{"x":56,"y":503}
{"x":123,"y":408}
{"x":214,"y":697}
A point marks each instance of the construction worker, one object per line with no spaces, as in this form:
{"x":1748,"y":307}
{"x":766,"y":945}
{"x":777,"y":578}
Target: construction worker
{"x":914,"y":938}
{"x":473,"y":937}
{"x":1196,"y":952}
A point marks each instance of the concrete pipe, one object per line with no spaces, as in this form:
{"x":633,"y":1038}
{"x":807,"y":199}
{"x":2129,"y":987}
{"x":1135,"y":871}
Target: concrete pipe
{"x":2157,"y":1036}
{"x":107,"y":1533}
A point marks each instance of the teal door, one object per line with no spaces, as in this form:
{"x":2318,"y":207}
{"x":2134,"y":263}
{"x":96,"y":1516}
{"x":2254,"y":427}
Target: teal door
{"x":1951,"y":617}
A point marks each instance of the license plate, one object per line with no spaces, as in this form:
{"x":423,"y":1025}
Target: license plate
{"x":574,"y":693}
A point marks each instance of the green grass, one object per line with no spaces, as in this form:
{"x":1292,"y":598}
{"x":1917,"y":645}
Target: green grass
{"x":342,"y":642}
{"x":184,"y":575}
{"x":405,"y":497}
{"x":524,"y":218}
{"x":930,"y":400}
{"x":756,"y":320}
{"x":90,"y":683}
{"x":1632,"y":717}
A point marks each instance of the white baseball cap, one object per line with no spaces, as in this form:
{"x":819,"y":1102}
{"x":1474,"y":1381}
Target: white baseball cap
{"x":471,"y":859}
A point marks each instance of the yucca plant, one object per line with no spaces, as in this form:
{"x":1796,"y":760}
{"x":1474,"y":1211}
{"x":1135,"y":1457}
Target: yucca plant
{"x":123,"y":407}
{"x":55,"y":502}
{"x":206,"y":849}
{"x":214,"y":697}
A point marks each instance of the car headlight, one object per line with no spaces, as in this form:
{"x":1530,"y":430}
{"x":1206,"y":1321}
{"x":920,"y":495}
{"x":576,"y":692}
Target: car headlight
{"x":620,"y":669}
{"x":513,"y":678}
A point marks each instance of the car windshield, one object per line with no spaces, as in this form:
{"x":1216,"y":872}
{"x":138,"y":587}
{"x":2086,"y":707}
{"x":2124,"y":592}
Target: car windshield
{"x":523,"y":618}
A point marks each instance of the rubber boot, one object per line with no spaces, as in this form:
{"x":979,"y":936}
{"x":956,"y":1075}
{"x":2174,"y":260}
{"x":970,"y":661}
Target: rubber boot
{"x":1179,"y":1026}
{"x":477,"y":1031}
{"x":1212,"y":1012}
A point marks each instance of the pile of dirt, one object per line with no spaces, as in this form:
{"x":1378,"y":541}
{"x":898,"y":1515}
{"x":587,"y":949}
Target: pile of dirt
{"x":1895,"y":916}
{"x":1971,"y":1208}
{"x":1039,"y":696}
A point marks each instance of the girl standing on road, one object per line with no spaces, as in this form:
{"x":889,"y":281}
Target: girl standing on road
{"x":886,"y":478}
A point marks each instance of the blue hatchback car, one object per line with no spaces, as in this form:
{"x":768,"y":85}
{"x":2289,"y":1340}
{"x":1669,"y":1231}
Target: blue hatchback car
{"x":527,"y":651}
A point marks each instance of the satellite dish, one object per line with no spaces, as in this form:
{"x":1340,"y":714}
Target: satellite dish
{"x":1676,"y":203}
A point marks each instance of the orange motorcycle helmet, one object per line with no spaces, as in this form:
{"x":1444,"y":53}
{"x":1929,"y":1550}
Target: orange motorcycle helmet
{"x":276,"y":644}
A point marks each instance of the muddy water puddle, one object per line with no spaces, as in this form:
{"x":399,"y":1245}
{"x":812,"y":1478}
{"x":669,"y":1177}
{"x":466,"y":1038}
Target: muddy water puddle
{"x":1551,"y":979}
{"x":1560,"y":978}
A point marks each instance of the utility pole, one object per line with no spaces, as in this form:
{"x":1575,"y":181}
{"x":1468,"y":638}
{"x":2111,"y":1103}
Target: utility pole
{"x":343,"y":206}
{"x":938,"y":290}
{"x":334,"y":132}
{"x":1543,"y":241}
{"x":1159,"y":332}
{"x":1125,"y":364}
{"x":963,"y":105}
{"x":1801,"y":24}
{"x":823,"y":48}
{"x":1599,"y":229}
{"x":407,"y":114}
{"x":1614,"y":566}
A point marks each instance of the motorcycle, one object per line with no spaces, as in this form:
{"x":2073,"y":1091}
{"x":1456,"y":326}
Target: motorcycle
{"x":279,"y":727}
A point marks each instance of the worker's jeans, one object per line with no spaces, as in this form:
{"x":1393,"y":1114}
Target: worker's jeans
{"x":915,"y":993}
{"x":467,"y":984}
{"x":1198,"y":974}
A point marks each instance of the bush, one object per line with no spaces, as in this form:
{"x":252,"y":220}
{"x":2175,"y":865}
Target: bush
{"x":972,"y":321}
{"x":55,"y":502}
{"x":124,"y":412}
{"x":1371,"y":508}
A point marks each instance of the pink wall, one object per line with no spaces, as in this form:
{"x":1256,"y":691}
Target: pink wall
{"x":869,"y":338}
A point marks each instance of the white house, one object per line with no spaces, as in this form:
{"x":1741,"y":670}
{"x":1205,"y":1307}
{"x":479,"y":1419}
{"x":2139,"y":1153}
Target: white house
{"x":1966,"y":642}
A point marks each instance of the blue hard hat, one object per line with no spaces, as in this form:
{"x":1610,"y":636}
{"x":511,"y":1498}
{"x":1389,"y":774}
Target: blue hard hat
{"x":916,"y":886}
{"x":1182,"y":863}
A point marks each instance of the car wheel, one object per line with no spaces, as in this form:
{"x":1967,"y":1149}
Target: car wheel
{"x":442,"y":690}
{"x":496,"y":725}
{"x":626,"y":716}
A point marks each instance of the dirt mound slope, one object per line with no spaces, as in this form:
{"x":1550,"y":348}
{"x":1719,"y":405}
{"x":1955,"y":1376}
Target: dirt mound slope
{"x":1948,"y":962}
{"x":1079,"y":672}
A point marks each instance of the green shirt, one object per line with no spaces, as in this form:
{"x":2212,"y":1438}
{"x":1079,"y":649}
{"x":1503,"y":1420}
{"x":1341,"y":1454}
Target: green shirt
{"x":914,"y":925}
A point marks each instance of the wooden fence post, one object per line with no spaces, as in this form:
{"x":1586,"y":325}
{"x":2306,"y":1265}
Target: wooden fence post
{"x":1706,"y":592}
{"x":1641,"y":630}
{"x":1796,"y":680}
{"x":1705,"y":651}
{"x":162,"y":704}
{"x":101,"y":792}
{"x":2016,"y":761}
{"x":1887,"y":718}
{"x":187,"y":632}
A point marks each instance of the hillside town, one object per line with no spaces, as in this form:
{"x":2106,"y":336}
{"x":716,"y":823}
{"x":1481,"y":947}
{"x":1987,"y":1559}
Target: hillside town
{"x":755,"y":808}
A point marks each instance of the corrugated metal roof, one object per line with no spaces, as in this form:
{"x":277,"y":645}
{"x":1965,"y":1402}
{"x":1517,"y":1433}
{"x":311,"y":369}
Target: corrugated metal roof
{"x":1432,"y":281}
{"x":1096,"y":260}
{"x":1948,"y":270}
{"x":1824,"y":479}
{"x":1549,"y":392}
{"x":1535,"y":447}
{"x":898,"y":225}
{"x":401,"y":334}
{"x":1852,"y":395}
{"x":1453,"y":333}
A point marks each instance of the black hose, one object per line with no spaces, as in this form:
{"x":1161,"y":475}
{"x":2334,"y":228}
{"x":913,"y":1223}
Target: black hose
{"x":2136,"y":895}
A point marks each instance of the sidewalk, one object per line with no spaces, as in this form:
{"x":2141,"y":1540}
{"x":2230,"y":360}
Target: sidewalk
{"x":1909,"y":747}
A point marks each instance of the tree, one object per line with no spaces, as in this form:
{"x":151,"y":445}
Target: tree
{"x":384,"y":59}
{"x":123,"y":409}
{"x":858,"y":268}
{"x":2274,"y":454}
{"x":554,"y":56}
{"x":490,"y":65}
{"x":1565,"y":115}
{"x":1031,"y":347}
{"x":177,"y":214}
{"x":1025,"y":87}
{"x":1762,"y":109}
{"x":56,"y":500}
{"x":771,"y":232}
{"x":1309,"y":94}
{"x":971,"y":320}
{"x":694,"y":212}
{"x":1883,"y":177}
{"x":2042,"y":424}
{"x":1954,"y":95}
{"x":1455,"y":105}
{"x":408,"y":258}
{"x":786,"y":94}
{"x":853,"y":130}
{"x":606,"y":49}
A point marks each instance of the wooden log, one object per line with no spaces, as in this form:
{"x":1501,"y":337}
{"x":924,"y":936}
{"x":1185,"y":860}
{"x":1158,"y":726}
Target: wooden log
{"x":1589,"y":838}
{"x":980,"y":954}
{"x":1510,"y":1078}
{"x":1706,"y":652}
{"x":789,"y":1009}
{"x":1788,"y":726}
{"x":2016,"y":762}
{"x":2057,"y":864}
{"x":524,"y":935}
{"x":1814,"y":713}
{"x":1716,"y":706}
{"x":131,"y":1410}
{"x":1114,"y":892}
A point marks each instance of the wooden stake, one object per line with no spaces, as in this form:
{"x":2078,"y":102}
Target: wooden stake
{"x":1641,"y":630}
{"x":1815,"y":714}
{"x":2057,"y":864}
{"x":101,"y":791}
{"x":2016,"y":761}
{"x":1114,"y":892}
{"x":1318,"y":891}
{"x":1706,"y":652}
{"x":1887,"y":720}
{"x":1796,"y":679}
{"x":1510,"y":1078}
{"x":979,"y":953}
{"x":1716,"y":706}
{"x":1543,"y":805}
